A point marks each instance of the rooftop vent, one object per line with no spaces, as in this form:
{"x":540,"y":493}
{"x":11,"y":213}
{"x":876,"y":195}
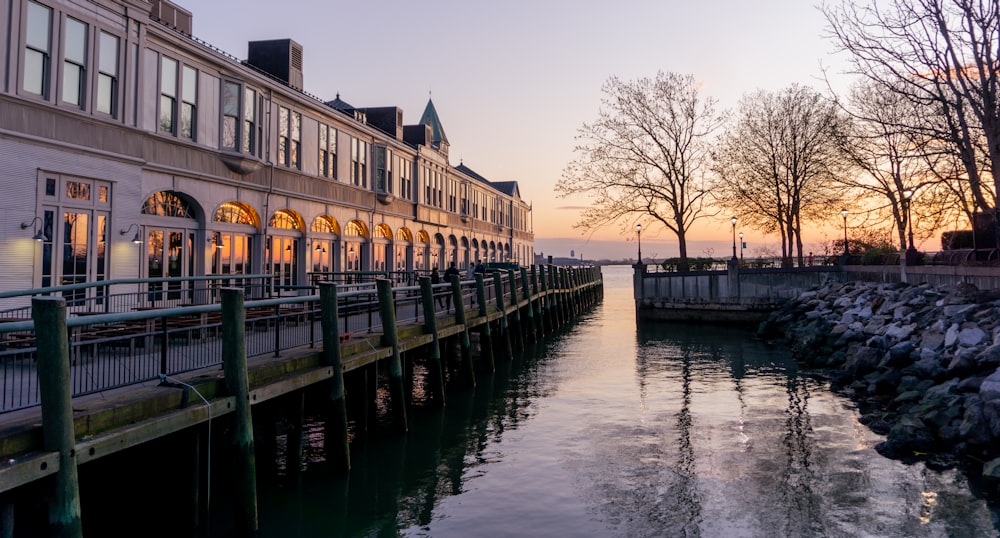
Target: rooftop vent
{"x":280,"y":58}
{"x":171,"y":15}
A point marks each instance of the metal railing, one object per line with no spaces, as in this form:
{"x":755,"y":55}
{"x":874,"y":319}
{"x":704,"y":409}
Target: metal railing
{"x":113,"y":349}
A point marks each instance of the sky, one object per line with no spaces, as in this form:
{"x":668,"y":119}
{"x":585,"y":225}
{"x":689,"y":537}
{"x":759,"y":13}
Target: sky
{"x":513,"y":81}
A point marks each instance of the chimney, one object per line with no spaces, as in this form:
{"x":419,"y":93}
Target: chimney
{"x":171,"y":16}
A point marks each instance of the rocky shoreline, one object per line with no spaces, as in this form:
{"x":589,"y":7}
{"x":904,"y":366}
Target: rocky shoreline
{"x":922,"y":362}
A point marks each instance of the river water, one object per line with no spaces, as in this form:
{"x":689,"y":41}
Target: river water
{"x":613,"y":430}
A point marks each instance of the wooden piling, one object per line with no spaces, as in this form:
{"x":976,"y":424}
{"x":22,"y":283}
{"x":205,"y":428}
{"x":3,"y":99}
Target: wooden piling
{"x":518,"y":330}
{"x":387,"y":311}
{"x":430,"y":327}
{"x":485,"y":337}
{"x":468,"y":368}
{"x":536,"y":304}
{"x":49,"y":314}
{"x":504,"y":327}
{"x":337,"y":435}
{"x":529,"y":315}
{"x":234,"y":365}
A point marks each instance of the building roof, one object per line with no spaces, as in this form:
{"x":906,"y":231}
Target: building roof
{"x":341,"y":105}
{"x":472,"y":173}
{"x":507,"y":187}
{"x":430,"y":117}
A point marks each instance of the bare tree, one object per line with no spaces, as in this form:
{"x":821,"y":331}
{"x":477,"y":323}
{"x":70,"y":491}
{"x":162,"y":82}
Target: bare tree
{"x":895,"y":159}
{"x":776,"y":163}
{"x":645,"y":157}
{"x":942,"y":54}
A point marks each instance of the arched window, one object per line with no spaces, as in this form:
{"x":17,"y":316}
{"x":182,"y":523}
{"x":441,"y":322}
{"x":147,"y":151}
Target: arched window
{"x":167,"y":204}
{"x":286,"y":220}
{"x":356,"y":228}
{"x":235,"y":213}
{"x":325,"y":224}
{"x":382,"y":231}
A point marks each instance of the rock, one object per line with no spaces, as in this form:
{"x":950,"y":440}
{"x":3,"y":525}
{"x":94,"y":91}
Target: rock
{"x":932,"y":339}
{"x":958,"y":310}
{"x":906,"y":438}
{"x":951,"y":337}
{"x":899,"y":332}
{"x":990,"y":388}
{"x":971,"y":336}
{"x":963,"y":363}
{"x":970,"y":384}
{"x":863,"y":361}
{"x":989,"y":357}
{"x":991,"y":470}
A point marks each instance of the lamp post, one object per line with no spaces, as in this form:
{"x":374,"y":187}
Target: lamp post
{"x":733,"y":220}
{"x":844,"y":213}
{"x":741,"y":248}
{"x":638,"y":237}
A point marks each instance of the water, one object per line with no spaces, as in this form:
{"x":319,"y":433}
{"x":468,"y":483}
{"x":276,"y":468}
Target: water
{"x":613,"y":431}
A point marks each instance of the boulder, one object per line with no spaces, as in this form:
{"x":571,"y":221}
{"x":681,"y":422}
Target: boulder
{"x":990,"y":388}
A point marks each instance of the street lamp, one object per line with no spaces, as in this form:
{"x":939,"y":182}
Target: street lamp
{"x":733,"y":220}
{"x":638,"y":237}
{"x":844,"y":213}
{"x":741,"y":248}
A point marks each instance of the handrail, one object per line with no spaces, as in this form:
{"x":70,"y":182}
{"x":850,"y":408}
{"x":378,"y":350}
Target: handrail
{"x":123,"y":281}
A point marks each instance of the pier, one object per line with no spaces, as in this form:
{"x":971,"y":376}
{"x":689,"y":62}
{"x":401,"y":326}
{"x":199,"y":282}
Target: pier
{"x":80,"y":387}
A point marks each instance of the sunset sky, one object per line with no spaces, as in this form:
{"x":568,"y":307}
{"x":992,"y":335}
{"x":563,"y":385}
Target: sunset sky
{"x":513,"y":81}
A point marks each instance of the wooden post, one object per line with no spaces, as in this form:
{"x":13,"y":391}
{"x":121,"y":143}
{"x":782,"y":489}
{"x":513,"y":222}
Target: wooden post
{"x":529,"y":323}
{"x":7,"y":518}
{"x":463,"y":341}
{"x":556,"y":296}
{"x":54,"y":383}
{"x":546,"y":306}
{"x":504,"y":328}
{"x":387,"y":310}
{"x":518,"y":326}
{"x":536,"y":304}
{"x":234,"y":365}
{"x":430,"y":327}
{"x":337,"y":435}
{"x":485,"y":338}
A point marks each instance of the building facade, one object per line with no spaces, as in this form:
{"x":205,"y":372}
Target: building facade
{"x":129,"y":148}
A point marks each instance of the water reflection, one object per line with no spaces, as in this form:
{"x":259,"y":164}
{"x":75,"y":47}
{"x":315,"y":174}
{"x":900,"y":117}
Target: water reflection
{"x":612,"y":431}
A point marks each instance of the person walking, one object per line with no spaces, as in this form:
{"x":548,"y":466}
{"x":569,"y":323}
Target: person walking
{"x":448,"y":273}
{"x":436,"y":279}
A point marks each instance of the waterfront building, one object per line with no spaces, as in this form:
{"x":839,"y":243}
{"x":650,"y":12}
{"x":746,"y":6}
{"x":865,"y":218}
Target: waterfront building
{"x":130,"y":148}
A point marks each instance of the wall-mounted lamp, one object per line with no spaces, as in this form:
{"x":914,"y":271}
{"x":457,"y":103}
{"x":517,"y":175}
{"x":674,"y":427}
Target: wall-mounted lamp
{"x":39,"y":235}
{"x":350,"y":250}
{"x":320,"y":247}
{"x":216,"y":240}
{"x":288,"y":248}
{"x":137,"y":239}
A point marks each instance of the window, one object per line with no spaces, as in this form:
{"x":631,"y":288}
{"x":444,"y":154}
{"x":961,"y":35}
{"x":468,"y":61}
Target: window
{"x":172,"y":82}
{"x":36,"y":51}
{"x":383,"y":169}
{"x":107,"y":75}
{"x":75,"y":222}
{"x":230,"y":114}
{"x":168,"y":95}
{"x":189,"y":96}
{"x":240,"y":129}
{"x":359,"y":162}
{"x":251,"y":126}
{"x":405,"y":181}
{"x":327,"y":151}
{"x":74,"y":62}
{"x":289,"y":137}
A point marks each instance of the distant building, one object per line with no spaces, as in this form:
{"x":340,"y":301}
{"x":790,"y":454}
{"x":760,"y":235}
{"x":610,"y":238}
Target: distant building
{"x":116,"y":124}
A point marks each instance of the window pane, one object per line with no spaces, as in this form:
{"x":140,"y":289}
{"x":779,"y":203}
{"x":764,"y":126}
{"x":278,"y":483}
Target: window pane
{"x":229,"y":132}
{"x":72,"y":74}
{"x":76,"y":41}
{"x":190,"y":80}
{"x":249,"y":98}
{"x":105,"y":94}
{"x":34,"y":71}
{"x":168,"y":77}
{"x":166,"y":114}
{"x":187,"y":120}
{"x":231,"y":99}
{"x":108,"y":61}
{"x":39,"y":17}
